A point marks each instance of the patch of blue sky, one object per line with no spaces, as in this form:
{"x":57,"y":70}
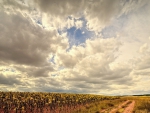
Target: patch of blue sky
{"x":39,"y":22}
{"x":52,"y":59}
{"x":9,"y":69}
{"x":77,"y":36}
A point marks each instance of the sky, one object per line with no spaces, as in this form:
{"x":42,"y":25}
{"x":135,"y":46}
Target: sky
{"x":75,"y":46}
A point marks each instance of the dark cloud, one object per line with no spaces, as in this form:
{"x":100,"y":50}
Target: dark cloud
{"x":9,"y":80}
{"x":27,"y":47}
{"x":32,"y":71}
{"x":21,"y":42}
{"x":131,"y":6}
{"x":101,"y":10}
{"x":14,"y":5}
{"x":61,"y":8}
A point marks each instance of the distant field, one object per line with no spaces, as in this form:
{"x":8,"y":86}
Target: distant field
{"x":26,"y":102}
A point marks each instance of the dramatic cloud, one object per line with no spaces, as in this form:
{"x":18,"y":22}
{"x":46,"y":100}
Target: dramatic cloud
{"x":96,"y":49}
{"x":94,"y":11}
{"x":92,"y":67}
{"x":81,"y":46}
{"x":21,"y":42}
{"x":9,"y":80}
{"x":143,"y":63}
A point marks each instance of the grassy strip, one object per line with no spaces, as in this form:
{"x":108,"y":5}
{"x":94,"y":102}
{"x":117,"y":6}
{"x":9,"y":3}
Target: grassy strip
{"x":142,"y":105}
{"x":105,"y":105}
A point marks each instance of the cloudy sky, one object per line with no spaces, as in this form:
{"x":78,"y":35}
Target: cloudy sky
{"x":77,"y":46}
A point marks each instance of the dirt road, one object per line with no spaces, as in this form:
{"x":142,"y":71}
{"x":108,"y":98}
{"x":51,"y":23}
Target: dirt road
{"x":129,"y":108}
{"x":114,"y":110}
{"x":125,"y":107}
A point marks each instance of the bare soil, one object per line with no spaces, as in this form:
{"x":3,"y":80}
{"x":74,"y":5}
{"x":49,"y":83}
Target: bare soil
{"x":125,"y":107}
{"x":129,"y":108}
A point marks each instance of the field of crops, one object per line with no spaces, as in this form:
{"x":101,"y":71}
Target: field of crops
{"x":38,"y":102}
{"x":25,"y":102}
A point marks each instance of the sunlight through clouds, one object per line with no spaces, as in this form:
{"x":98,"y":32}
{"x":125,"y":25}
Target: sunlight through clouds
{"x":80,"y":46}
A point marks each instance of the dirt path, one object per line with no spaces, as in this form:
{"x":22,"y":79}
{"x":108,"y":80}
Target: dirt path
{"x":129,"y":108}
{"x":114,"y":110}
{"x":125,"y":107}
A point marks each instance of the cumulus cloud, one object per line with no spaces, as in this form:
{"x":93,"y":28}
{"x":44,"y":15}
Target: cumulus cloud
{"x":35,"y":54}
{"x":26,"y":46}
{"x":21,"y":42}
{"x":9,"y":80}
{"x":143,"y":63}
{"x":144,"y":48}
{"x":91,"y":66}
{"x":66,"y":7}
{"x":97,"y":47}
{"x":130,"y":6}
{"x":99,"y":13}
{"x":96,"y":12}
{"x":14,"y":5}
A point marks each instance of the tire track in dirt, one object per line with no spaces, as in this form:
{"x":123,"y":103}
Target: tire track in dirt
{"x":129,"y":108}
{"x":114,"y":110}
{"x":126,"y":106}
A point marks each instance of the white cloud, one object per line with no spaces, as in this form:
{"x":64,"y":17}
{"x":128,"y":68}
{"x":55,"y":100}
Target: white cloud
{"x":144,"y":48}
{"x":35,"y":57}
{"x":97,"y":13}
{"x":91,"y":66}
{"x":130,"y":6}
{"x":25,"y":46}
{"x":79,"y":24}
{"x":25,"y":43}
{"x":92,"y":47}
